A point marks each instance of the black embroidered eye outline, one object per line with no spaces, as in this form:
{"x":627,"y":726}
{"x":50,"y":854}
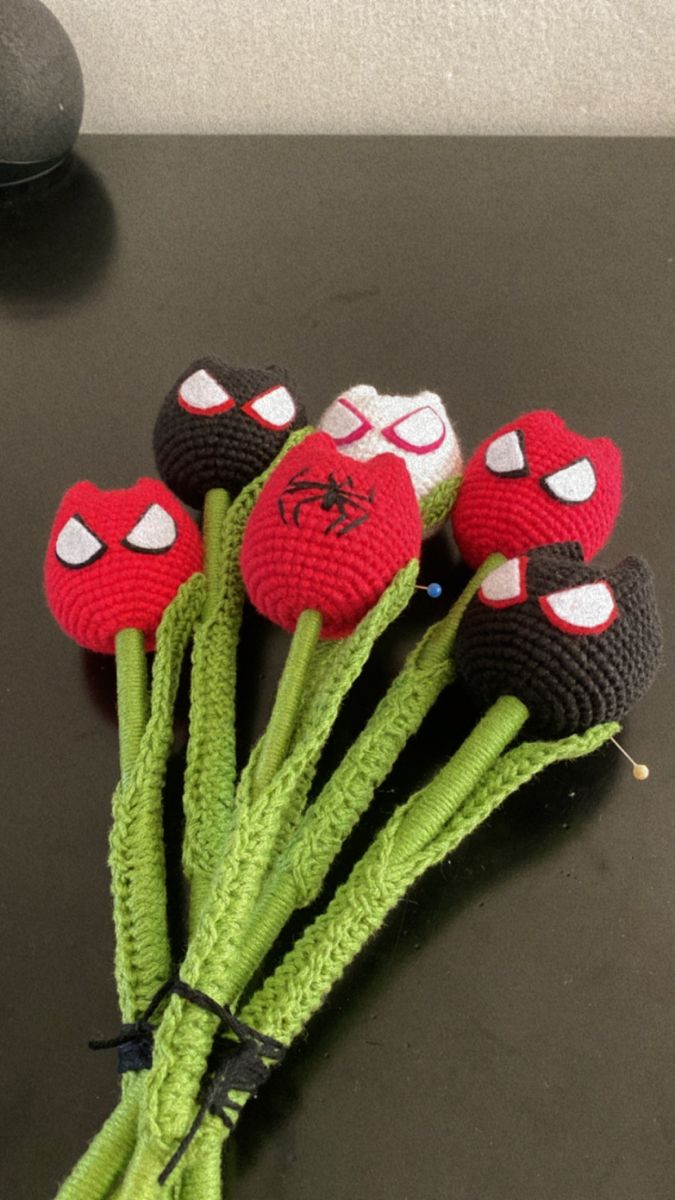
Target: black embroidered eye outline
{"x":416,"y":420}
{"x":362,"y":427}
{"x":273,"y":409}
{"x":505,"y":456}
{"x":573,"y":484}
{"x":77,"y":545}
{"x":202,"y":395}
{"x":506,"y":585}
{"x":589,"y":608}
{"x":154,"y":532}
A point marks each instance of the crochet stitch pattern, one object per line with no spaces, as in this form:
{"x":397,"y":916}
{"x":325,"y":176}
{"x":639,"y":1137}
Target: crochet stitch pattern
{"x":364,"y":422}
{"x":220,"y":426}
{"x":208,"y":784}
{"x":534,"y":482}
{"x":210,"y":773}
{"x":328,"y":544}
{"x":287,"y":1000}
{"x":569,"y":677}
{"x":328,"y":534}
{"x":115,"y":560}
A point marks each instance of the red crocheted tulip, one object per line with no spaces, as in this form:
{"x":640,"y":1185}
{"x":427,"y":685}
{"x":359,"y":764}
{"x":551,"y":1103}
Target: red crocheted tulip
{"x":116,"y":559}
{"x":329,"y":533}
{"x":534,"y":482}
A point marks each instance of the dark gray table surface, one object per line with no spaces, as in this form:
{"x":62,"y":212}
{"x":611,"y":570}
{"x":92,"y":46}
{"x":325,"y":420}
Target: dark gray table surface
{"x":510,"y":1033}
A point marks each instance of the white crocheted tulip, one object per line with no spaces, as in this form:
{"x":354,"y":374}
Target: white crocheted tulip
{"x":364,"y":422}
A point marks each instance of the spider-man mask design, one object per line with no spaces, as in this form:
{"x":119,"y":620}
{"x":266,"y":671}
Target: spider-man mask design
{"x":346,"y":508}
{"x":328,"y":533}
{"x":222,"y":426}
{"x":577,"y":645}
{"x":363,"y":422}
{"x":534,"y":482}
{"x":116,"y":559}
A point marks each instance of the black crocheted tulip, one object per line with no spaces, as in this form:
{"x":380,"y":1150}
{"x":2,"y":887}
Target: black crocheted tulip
{"x":221,"y":427}
{"x":578,"y":646}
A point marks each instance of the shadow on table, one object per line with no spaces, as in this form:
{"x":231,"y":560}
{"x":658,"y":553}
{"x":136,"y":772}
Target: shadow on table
{"x":531,"y":825}
{"x":56,"y":236}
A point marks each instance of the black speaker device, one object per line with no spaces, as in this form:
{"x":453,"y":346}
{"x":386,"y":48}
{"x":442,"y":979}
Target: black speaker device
{"x":41,"y":91}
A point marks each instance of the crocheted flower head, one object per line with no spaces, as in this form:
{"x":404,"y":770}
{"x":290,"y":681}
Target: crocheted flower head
{"x":328,"y":533}
{"x":116,"y":559}
{"x":578,"y":645}
{"x":363,"y":422}
{"x":222,"y":426}
{"x":534,"y":482}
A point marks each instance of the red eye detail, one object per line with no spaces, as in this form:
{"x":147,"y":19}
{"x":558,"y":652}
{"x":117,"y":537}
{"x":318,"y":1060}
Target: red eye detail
{"x":505,"y":585}
{"x":419,"y":432}
{"x":275,"y":408}
{"x":589,"y":608}
{"x":345,"y":424}
{"x":202,"y":395}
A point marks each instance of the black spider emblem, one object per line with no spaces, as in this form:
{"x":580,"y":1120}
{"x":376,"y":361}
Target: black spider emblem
{"x":353,"y":508}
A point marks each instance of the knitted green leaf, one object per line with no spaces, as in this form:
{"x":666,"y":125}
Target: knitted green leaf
{"x":137,"y":838}
{"x":437,"y":506}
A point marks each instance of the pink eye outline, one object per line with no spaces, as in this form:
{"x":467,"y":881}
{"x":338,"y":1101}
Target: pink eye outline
{"x":410,"y":447}
{"x":251,"y":411}
{"x":355,"y":435}
{"x":510,"y":574}
{"x":554,"y":608}
{"x":198,"y":382}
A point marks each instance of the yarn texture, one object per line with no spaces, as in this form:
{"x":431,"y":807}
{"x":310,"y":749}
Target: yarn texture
{"x":578,"y":645}
{"x":364,"y":422}
{"x":115,"y":560}
{"x":328,"y":533}
{"x":221,"y":426}
{"x":534,"y":482}
{"x":289,"y":997}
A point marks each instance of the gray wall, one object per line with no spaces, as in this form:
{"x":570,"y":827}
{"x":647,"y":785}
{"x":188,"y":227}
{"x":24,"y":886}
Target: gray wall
{"x":386,"y":66}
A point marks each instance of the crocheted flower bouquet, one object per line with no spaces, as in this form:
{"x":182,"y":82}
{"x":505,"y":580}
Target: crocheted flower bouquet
{"x":323,"y":531}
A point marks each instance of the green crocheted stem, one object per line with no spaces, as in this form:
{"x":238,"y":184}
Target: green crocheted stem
{"x":184,"y":1039}
{"x":288,"y":999}
{"x":289,"y":697}
{"x":139,"y":891}
{"x":132,"y":696}
{"x":298,"y":875}
{"x":143,"y":960}
{"x":436,"y":507}
{"x":210,"y":773}
{"x":436,"y":803}
{"x":100,"y":1167}
{"x":216,"y":504}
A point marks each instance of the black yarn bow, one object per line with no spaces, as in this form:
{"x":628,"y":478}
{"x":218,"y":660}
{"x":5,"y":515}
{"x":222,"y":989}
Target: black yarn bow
{"x":237,"y":1063}
{"x":134,"y":1042}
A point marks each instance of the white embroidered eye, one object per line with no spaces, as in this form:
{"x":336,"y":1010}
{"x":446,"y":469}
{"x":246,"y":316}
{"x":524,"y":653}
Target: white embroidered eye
{"x":572,"y":484}
{"x":344,"y":422}
{"x":506,"y":455}
{"x":274,"y":409}
{"x":505,"y":585}
{"x":76,"y":545}
{"x":154,"y":533}
{"x":200,"y":393}
{"x":589,"y":608}
{"x":419,"y":432}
